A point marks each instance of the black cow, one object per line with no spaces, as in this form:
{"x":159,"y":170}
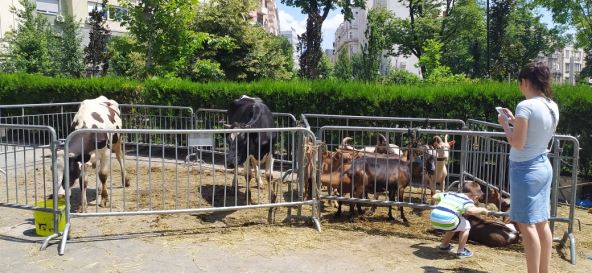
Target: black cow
{"x":250,"y":149}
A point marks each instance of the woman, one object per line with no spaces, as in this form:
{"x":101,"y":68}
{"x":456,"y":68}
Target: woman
{"x":530,"y":171}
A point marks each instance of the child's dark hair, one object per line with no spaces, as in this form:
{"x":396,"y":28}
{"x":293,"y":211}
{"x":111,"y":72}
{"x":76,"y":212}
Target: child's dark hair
{"x":540,"y":77}
{"x":472,"y":188}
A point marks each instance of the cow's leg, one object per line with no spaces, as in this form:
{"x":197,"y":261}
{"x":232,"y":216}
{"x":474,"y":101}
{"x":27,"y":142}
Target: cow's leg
{"x":247,"y":173}
{"x":117,"y":149}
{"x":272,"y":184}
{"x":235,"y":179}
{"x":256,"y":168}
{"x":103,"y":157}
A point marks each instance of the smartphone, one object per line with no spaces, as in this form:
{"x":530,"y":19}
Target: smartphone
{"x":502,"y":112}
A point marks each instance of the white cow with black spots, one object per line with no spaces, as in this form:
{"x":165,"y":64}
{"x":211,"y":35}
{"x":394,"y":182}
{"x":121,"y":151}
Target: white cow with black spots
{"x":99,"y":113}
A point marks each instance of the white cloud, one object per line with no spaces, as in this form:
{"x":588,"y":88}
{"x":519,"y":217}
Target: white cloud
{"x":332,"y":22}
{"x":287,"y":21}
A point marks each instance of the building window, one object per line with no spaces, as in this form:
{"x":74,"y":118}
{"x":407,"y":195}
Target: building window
{"x":116,"y":13}
{"x":113,"y":12}
{"x":577,"y":68}
{"x":567,"y":53}
{"x":350,"y":35}
{"x":92,"y":6}
{"x":48,"y":6}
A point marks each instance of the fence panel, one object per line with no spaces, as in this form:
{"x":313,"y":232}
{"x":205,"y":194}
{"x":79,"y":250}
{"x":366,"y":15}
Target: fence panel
{"x":564,"y":157}
{"x":479,"y":156}
{"x":216,"y":118}
{"x":315,"y":121}
{"x":59,"y":116}
{"x":28,"y":170}
{"x":162,"y":181}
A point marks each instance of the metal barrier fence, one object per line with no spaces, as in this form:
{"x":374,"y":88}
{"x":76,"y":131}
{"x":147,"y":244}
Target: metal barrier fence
{"x":315,"y":121}
{"x":28,"y":169}
{"x":59,"y":116}
{"x":163,"y":182}
{"x":564,"y":156}
{"x":478,"y":155}
{"x":215,"y":118}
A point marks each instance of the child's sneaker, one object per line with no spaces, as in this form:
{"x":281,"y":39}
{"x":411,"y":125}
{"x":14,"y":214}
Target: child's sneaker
{"x":465,"y":253}
{"x":445,"y":249}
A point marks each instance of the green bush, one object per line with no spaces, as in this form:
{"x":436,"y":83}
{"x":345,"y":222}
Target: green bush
{"x":475,"y":100}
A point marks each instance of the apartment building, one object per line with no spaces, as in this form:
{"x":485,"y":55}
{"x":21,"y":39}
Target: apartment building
{"x":350,"y":36}
{"x":54,"y":11}
{"x":292,"y":37}
{"x":267,"y":16}
{"x":565,"y":64}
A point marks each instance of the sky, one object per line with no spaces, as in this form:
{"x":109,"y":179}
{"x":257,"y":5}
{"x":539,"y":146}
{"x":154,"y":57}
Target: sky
{"x":292,"y":17}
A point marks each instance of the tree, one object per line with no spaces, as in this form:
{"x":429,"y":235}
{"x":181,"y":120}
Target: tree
{"x":124,"y":60}
{"x":96,"y":54}
{"x":317,"y":12}
{"x":70,"y":56}
{"x":463,"y":38}
{"x":254,"y":53}
{"x":411,"y":34}
{"x":325,"y":67}
{"x":523,"y":39}
{"x":577,"y":13}
{"x":378,"y":20}
{"x":161,"y":28}
{"x":29,"y":45}
{"x":343,"y":67}
{"x":499,"y":15}
{"x":357,"y":61}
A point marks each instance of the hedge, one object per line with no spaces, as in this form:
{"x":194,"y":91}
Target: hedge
{"x":462,"y":101}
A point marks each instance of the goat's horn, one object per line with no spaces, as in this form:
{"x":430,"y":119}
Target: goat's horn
{"x":346,"y":141}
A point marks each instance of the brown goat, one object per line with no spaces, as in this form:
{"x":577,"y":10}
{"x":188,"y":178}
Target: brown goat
{"x":491,"y":233}
{"x":383,"y":174}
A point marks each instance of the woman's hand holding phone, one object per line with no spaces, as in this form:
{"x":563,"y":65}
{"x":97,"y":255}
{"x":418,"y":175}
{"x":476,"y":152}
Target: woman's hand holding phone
{"x":505,"y":116}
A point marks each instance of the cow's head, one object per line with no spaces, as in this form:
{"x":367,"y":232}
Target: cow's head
{"x":238,"y":142}
{"x":79,"y":152}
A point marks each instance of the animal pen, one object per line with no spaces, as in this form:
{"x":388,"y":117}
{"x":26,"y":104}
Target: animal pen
{"x":480,"y":155}
{"x":174,"y":158}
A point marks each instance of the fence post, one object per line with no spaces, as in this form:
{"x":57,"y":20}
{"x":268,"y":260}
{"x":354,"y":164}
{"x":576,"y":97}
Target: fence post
{"x":555,"y":181}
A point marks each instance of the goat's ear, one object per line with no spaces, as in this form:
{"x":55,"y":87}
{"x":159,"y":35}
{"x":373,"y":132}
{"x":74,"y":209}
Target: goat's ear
{"x":452,"y":142}
{"x":227,"y":126}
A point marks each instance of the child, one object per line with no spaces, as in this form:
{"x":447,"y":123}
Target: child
{"x":448,"y":213}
